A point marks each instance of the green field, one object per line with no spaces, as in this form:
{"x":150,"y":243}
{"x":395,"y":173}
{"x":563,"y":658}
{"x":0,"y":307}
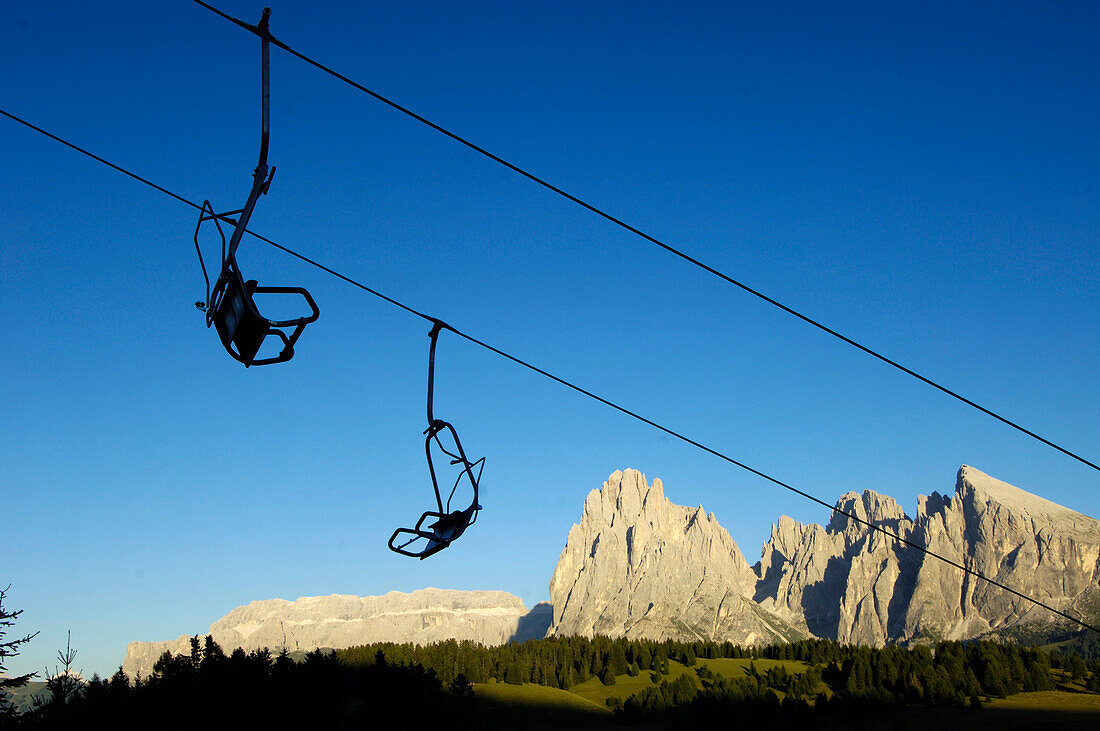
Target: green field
{"x":595,"y":694}
{"x":585,"y":704}
{"x":739,"y":667}
{"x":1051,"y":700}
{"x":531,"y":707}
{"x":593,"y":691}
{"x":537,"y":707}
{"x":537,"y":696}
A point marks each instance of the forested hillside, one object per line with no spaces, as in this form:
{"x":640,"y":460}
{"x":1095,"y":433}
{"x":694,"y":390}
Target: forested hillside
{"x":563,"y":682}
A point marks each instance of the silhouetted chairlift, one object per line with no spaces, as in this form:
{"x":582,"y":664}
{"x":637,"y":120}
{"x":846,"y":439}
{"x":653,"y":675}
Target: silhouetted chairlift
{"x":230,"y":307}
{"x":438,"y":528}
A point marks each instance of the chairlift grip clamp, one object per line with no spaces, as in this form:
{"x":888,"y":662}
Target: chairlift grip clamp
{"x":437,"y":327}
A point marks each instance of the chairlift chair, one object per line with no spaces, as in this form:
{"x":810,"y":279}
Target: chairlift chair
{"x":230,"y":307}
{"x":438,"y":528}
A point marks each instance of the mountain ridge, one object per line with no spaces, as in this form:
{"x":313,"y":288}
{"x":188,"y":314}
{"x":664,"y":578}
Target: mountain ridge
{"x":843,"y":581}
{"x":424,"y":616}
{"x":638,"y":566}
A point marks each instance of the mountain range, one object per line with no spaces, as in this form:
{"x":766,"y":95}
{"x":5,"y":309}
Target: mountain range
{"x":639,"y":566}
{"x":339,"y":621}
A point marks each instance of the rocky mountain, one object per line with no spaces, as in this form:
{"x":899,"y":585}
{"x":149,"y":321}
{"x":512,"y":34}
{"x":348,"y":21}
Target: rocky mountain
{"x":839,"y":581}
{"x":338,"y":621}
{"x":25,"y":697}
{"x":638,"y":566}
{"x":1029,"y":544}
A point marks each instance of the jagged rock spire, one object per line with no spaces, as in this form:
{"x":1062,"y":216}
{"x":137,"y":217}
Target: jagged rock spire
{"x":638,"y":566}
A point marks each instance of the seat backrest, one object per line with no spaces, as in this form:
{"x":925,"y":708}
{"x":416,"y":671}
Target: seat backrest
{"x":451,"y":526}
{"x":237,"y":321}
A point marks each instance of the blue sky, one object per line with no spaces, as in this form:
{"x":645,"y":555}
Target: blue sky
{"x":922,"y":177}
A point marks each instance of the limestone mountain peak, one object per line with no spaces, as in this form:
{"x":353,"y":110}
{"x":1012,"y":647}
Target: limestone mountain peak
{"x":627,"y":494}
{"x":979,"y":489}
{"x":637,"y":565}
{"x":869,"y":506}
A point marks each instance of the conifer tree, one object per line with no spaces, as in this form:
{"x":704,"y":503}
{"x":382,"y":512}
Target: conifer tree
{"x":1094,"y":678}
{"x":1075,"y":666}
{"x":460,"y":687}
{"x":10,"y":648}
{"x":617,"y":661}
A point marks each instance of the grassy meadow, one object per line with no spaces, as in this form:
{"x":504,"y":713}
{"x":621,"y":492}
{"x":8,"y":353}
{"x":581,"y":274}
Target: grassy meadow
{"x":625,"y":686}
{"x":585,"y":705}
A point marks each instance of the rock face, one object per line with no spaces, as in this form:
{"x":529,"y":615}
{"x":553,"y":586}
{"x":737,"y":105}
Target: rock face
{"x":338,"y":621}
{"x":1029,"y":544}
{"x":838,"y":582}
{"x":638,"y":566}
{"x":853,"y":584}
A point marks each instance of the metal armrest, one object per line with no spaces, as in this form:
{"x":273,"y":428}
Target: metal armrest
{"x":312,"y":317}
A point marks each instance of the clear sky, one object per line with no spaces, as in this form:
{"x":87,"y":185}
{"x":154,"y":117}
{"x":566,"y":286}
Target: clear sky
{"x":920,"y":176}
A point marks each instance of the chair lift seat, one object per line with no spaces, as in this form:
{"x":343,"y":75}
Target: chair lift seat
{"x":230,"y":307}
{"x":445,"y":530}
{"x":447,"y":525}
{"x":450,"y":526}
{"x":243,"y":329}
{"x":238,"y":322}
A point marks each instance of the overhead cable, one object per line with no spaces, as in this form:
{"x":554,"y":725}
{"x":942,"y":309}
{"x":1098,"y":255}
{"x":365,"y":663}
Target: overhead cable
{"x":653,"y":240}
{"x":622,"y":409}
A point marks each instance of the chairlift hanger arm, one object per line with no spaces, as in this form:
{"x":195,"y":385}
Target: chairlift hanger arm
{"x":230,"y":306}
{"x":437,"y":327}
{"x":445,"y":525}
{"x":261,"y":177}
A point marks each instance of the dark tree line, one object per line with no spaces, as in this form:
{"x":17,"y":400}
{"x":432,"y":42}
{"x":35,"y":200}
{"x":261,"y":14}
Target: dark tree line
{"x":207,"y":688}
{"x":862,"y":681}
{"x":559,"y":662}
{"x":858,"y":679}
{"x":947,"y":673}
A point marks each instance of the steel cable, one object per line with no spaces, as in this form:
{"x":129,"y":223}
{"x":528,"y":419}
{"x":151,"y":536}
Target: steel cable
{"x":622,"y":409}
{"x":653,"y":240}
